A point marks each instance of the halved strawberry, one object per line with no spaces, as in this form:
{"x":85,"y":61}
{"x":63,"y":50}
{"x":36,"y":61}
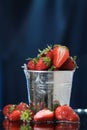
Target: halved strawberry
{"x":43,"y":63}
{"x":44,"y":115}
{"x":69,"y":64}
{"x":60,"y":55}
{"x":66,"y":113}
{"x":7,"y":109}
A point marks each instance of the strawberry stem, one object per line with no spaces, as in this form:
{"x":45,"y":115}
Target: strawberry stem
{"x":52,"y":68}
{"x":44,"y":51}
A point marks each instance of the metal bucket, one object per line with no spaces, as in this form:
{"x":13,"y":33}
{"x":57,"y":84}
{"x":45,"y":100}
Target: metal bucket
{"x":47,"y":87}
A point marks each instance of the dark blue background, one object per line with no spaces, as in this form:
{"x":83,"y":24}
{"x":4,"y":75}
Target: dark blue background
{"x":26,"y":26}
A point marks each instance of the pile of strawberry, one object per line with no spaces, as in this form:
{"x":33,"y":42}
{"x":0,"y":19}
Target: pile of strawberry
{"x":19,"y":112}
{"x":22,"y":112}
{"x":52,"y":58}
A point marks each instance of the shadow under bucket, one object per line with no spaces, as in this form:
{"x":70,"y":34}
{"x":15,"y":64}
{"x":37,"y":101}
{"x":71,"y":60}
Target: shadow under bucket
{"x":46,"y":88}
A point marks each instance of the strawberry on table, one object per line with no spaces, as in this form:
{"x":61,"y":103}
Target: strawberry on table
{"x":66,"y":113}
{"x":43,"y":63}
{"x":7,"y":109}
{"x":14,"y":116}
{"x":18,"y":112}
{"x":21,"y":115}
{"x":60,"y":55}
{"x":22,"y":106}
{"x":44,"y":115}
{"x":69,"y":64}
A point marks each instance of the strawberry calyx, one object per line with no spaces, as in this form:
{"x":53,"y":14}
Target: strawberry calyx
{"x":46,"y":60}
{"x":56,"y":104}
{"x":52,"y":68}
{"x":12,"y":108}
{"x":34,"y":60}
{"x":44,"y":51}
{"x":74,"y":58}
{"x":26,"y":116}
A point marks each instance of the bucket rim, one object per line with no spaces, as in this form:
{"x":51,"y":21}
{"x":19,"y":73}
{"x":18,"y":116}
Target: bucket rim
{"x":46,"y":71}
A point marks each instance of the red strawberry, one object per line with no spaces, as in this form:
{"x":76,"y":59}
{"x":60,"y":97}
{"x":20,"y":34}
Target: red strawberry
{"x":14,"y":116}
{"x":50,"y":54}
{"x":7,"y":109}
{"x":43,"y":63}
{"x":47,"y":52}
{"x":31,"y":64}
{"x":44,"y":115}
{"x":69,"y":64}
{"x":66,"y":113}
{"x":22,"y":106}
{"x":60,"y":55}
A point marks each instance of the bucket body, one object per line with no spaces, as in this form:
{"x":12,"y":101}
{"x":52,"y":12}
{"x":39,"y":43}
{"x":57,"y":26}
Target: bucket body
{"x":47,"y":87}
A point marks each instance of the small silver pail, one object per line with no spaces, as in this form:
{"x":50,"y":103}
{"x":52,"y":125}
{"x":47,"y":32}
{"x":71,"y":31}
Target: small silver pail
{"x":47,"y":87}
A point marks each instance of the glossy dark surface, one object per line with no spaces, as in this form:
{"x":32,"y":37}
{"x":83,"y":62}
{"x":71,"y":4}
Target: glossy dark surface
{"x":6,"y":125}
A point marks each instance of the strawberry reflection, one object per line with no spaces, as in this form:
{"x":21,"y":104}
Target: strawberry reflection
{"x":67,"y":126}
{"x":7,"y":125}
{"x":43,"y":126}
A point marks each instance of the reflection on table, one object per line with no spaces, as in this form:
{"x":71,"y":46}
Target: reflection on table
{"x":7,"y":125}
{"x":40,"y":126}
